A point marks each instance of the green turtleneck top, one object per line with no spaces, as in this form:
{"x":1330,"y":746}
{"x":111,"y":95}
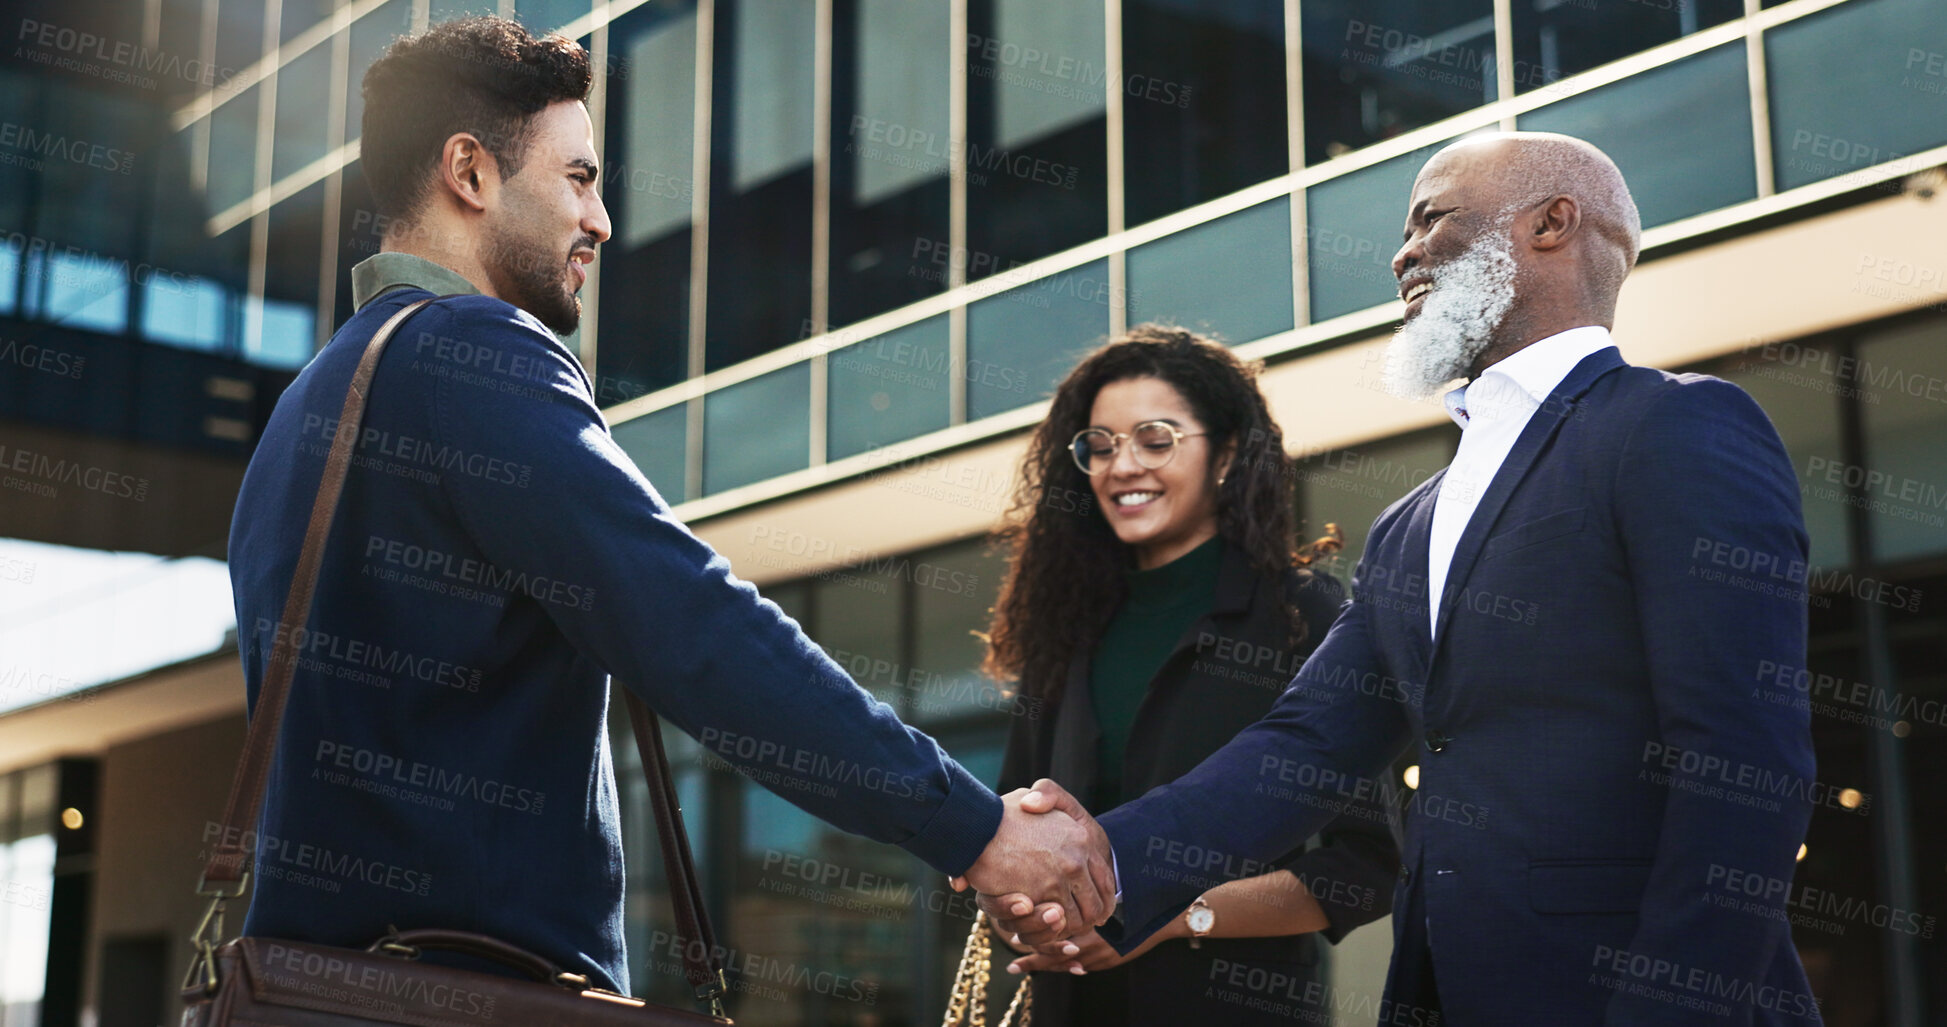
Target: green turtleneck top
{"x":1163,"y":602}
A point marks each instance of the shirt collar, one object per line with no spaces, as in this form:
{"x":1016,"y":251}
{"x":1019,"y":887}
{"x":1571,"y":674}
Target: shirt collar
{"x":390,"y":270}
{"x":1521,"y":381}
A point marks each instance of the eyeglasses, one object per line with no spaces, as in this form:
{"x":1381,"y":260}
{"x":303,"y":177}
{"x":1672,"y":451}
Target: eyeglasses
{"x":1155,"y":442}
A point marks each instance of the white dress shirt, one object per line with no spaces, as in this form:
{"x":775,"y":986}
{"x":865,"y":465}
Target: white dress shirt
{"x":1492,"y":411}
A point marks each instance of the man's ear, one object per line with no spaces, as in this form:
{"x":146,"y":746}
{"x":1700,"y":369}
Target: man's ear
{"x":1554,"y":223}
{"x":465,"y":170}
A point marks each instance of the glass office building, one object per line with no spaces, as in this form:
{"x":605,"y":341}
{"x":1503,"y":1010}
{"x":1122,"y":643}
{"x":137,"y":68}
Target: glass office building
{"x":856,"y":242}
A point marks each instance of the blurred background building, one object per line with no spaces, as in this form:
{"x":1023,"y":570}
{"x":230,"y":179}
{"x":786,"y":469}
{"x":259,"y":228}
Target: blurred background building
{"x":856,"y":242}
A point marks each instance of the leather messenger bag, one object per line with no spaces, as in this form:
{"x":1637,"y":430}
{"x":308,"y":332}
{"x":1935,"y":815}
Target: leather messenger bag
{"x":275,"y":983}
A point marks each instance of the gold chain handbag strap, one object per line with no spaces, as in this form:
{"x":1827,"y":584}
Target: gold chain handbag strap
{"x":967,"y":1006}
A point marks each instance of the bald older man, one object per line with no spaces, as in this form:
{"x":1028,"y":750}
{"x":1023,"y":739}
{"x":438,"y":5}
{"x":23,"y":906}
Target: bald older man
{"x":1567,"y":627}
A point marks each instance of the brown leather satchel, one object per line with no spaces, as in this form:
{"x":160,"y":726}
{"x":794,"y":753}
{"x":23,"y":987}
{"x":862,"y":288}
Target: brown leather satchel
{"x":265,"y":981}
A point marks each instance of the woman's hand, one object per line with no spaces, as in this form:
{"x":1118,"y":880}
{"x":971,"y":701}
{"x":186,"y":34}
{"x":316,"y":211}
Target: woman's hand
{"x":1095,"y":954}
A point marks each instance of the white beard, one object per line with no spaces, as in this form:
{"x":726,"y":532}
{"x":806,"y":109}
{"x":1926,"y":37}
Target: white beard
{"x":1471,"y":294}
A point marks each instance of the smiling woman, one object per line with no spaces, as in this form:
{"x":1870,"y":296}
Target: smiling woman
{"x":1152,"y":541}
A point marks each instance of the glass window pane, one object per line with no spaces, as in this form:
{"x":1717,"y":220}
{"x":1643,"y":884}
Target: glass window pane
{"x":861,"y":625}
{"x":830,"y":912}
{"x":544,"y":16}
{"x":1681,"y":134}
{"x":1557,"y":38}
{"x":645,"y":327}
{"x":1905,"y":477}
{"x":757,"y":429}
{"x":20,"y":103}
{"x":24,"y":924}
{"x":303,"y":88}
{"x":1352,"y":487}
{"x":239,"y":33}
{"x":1793,"y":382}
{"x":1858,"y":85}
{"x":9,"y":278}
{"x":1375,"y":71}
{"x":193,"y":313}
{"x":87,"y":290}
{"x":1037,"y":130}
{"x":760,"y":197}
{"x":954,"y":588}
{"x":233,"y":151}
{"x":657,"y":442}
{"x":87,"y":147}
{"x":891,"y":156}
{"x":453,"y":10}
{"x":889,"y":389}
{"x":290,"y":312}
{"x":1354,"y":223}
{"x":1230,"y":277}
{"x":286,"y":338}
{"x":1021,"y":342}
{"x":1203,"y":101}
{"x":300,"y":15}
{"x":370,"y":36}
{"x":771,"y":126}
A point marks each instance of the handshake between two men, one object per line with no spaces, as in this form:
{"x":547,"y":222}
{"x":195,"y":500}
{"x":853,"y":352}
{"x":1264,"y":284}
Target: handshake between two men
{"x":1047,"y":876}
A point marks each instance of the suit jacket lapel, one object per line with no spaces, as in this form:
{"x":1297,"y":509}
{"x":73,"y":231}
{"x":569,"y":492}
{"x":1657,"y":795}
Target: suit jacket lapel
{"x":1541,"y":428}
{"x":1419,"y":532}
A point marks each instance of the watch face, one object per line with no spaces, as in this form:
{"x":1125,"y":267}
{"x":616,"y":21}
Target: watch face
{"x":1202,"y":920}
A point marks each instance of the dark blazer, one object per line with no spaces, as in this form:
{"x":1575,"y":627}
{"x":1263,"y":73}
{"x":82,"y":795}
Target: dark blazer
{"x":1224,"y":673}
{"x":1602,"y":777}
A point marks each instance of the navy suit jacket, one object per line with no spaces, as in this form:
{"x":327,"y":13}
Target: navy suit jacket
{"x":1602,"y":779}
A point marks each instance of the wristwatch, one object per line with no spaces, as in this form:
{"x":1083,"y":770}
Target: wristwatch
{"x":1201,"y":920}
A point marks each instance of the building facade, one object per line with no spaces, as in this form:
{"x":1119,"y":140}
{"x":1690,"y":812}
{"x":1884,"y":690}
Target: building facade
{"x":856,"y":242}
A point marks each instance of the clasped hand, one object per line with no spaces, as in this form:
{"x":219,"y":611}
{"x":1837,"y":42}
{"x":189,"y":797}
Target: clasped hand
{"x":1044,"y":878}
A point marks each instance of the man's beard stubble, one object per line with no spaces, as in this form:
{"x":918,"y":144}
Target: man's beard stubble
{"x":529,"y":277}
{"x":1470,"y":297}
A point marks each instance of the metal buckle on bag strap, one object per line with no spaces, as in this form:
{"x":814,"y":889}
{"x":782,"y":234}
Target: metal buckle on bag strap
{"x":209,"y":932}
{"x":710,"y":994}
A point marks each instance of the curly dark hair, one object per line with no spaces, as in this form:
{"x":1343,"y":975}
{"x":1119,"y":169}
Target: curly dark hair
{"x":1065,"y":572}
{"x":483,"y":75}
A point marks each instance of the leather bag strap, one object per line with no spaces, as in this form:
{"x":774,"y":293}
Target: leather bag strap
{"x":227,"y":862}
{"x":702,"y":966}
{"x":701,"y":963}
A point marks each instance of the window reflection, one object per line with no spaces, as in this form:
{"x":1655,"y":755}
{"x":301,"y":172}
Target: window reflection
{"x":657,"y":443}
{"x":1354,"y":223}
{"x":303,"y":85}
{"x":889,"y":388}
{"x":1037,"y":130}
{"x":1374,"y":70}
{"x":757,"y":429}
{"x":288,"y":325}
{"x":1793,"y":383}
{"x":369,"y":37}
{"x":1021,"y":342}
{"x":1905,"y":473}
{"x":233,"y":151}
{"x":953,"y":588}
{"x":890,"y":156}
{"x":1203,"y":101}
{"x":1230,"y":277}
{"x":1854,"y":86}
{"x":1681,"y":134}
{"x":760,"y":186}
{"x":1557,"y":38}
{"x":544,"y":16}
{"x":299,"y":15}
{"x":646,"y":184}
{"x":1351,"y":487}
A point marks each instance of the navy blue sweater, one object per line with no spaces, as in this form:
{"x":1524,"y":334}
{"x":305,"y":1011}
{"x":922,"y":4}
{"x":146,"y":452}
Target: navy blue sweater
{"x":444,"y":760}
